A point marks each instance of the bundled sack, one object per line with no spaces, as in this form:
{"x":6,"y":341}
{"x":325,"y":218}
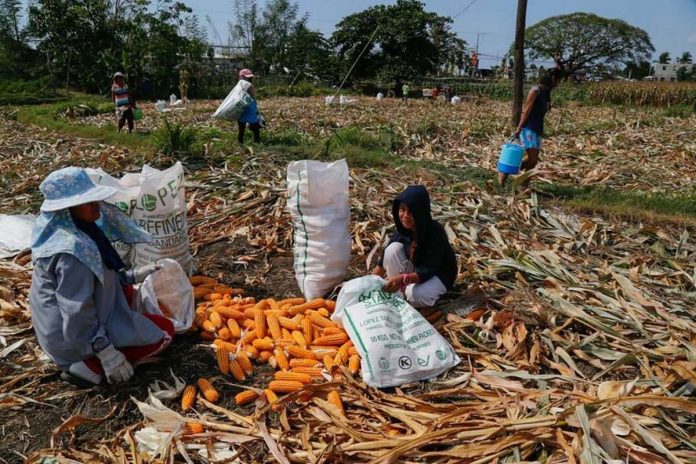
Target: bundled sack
{"x":318,"y":204}
{"x":235,"y":103}
{"x":167,"y":292}
{"x":156,"y":201}
{"x":396,"y":343}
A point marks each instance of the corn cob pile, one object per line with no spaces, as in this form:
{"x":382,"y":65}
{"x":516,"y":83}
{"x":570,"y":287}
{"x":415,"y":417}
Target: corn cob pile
{"x":294,"y":336}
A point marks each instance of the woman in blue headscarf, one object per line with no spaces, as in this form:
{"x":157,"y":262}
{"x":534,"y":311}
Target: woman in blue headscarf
{"x":79,"y":307}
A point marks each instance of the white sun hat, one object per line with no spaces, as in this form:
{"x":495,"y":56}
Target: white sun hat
{"x":70,"y":187}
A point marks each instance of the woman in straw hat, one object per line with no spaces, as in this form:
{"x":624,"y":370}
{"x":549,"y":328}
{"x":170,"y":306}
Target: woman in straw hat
{"x":78,"y":296}
{"x":250,"y":115}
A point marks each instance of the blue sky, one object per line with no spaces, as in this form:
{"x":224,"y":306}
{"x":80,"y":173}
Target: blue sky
{"x":670,"y":23}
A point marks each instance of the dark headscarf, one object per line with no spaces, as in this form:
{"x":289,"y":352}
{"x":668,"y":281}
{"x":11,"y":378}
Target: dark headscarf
{"x":109,"y":255}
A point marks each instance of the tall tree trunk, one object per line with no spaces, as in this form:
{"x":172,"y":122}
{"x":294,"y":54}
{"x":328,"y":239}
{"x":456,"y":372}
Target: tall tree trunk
{"x":518,"y":72}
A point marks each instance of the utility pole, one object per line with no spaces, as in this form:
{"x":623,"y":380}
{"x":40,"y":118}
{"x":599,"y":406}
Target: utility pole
{"x":518,"y":72}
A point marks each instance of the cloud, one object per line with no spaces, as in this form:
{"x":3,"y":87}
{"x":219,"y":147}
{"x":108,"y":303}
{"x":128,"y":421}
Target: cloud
{"x":692,"y":38}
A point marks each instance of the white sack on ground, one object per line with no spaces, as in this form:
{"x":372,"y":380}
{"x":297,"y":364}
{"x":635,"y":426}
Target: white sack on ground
{"x":318,"y":204}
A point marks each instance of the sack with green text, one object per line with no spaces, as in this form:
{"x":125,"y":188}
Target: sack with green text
{"x":397,"y":345}
{"x":155,"y":200}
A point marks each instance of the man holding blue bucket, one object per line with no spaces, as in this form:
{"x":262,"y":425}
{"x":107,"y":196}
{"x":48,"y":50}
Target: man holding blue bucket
{"x":531,"y":127}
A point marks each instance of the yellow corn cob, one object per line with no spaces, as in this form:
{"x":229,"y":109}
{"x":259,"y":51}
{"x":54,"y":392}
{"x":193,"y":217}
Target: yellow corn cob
{"x":194,"y":427}
{"x":249,"y":324}
{"x":332,"y":340}
{"x":215,"y":318}
{"x":208,"y":390}
{"x":323,"y":312}
{"x":233,"y":328}
{"x":314,"y":304}
{"x":297,"y":352}
{"x":284,"y":386}
{"x":263,"y":344}
{"x":287,"y":336}
{"x":335,"y":398}
{"x":251,"y":352}
{"x":281,"y":359}
{"x":200,"y":280}
{"x":288,"y":323}
{"x":249,"y":312}
{"x":274,"y":326}
{"x":264,"y":356}
{"x":248,"y":338}
{"x":352,"y":350}
{"x":230,"y":347}
{"x":292,"y":301}
{"x":342,"y":355}
{"x":322,"y":351}
{"x":328,"y":362}
{"x":213,"y":297}
{"x":244,"y":361}
{"x":231,"y":313}
{"x":320,"y":321}
{"x":208,"y":326}
{"x":236,"y":370}
{"x":273,"y":304}
{"x":188,"y":397}
{"x":294,"y":376}
{"x":224,"y":334}
{"x":302,"y":362}
{"x":312,"y":371}
{"x":271,"y":397}
{"x":307,"y":330}
{"x":223,"y":360}
{"x":316,"y":332}
{"x":354,"y":363}
{"x":330,"y":305}
{"x":332,"y":330}
{"x":299,"y":338}
{"x":260,"y":321}
{"x":244,"y":397}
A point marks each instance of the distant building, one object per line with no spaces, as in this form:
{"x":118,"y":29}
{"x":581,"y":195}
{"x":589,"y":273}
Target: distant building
{"x":668,"y":72}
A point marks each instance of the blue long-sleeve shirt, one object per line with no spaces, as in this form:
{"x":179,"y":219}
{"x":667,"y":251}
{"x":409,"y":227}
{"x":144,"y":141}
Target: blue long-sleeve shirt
{"x":75,"y":316}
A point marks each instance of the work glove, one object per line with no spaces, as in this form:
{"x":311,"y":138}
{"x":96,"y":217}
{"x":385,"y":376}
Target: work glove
{"x":140,"y":273}
{"x":116,"y":367}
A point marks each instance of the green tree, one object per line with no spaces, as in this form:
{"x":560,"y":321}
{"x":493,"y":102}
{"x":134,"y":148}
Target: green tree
{"x":409,"y":42}
{"x":685,"y":58}
{"x":638,"y":70}
{"x":581,"y":40}
{"x":664,"y":58}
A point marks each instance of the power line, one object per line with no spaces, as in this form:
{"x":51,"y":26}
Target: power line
{"x":464,"y":10}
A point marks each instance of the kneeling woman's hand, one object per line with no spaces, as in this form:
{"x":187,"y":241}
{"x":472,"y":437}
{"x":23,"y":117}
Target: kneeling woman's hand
{"x":393,"y":284}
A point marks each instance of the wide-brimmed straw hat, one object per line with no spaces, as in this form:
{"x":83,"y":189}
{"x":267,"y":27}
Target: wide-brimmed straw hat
{"x":70,"y":187}
{"x":246,"y":73}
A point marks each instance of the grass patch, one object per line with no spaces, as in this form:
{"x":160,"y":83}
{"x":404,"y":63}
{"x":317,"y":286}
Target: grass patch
{"x":175,"y":140}
{"x":632,"y":205}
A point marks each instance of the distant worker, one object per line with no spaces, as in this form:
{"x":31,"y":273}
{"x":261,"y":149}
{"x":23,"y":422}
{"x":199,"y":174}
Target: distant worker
{"x":531,"y":127}
{"x":251,"y":113}
{"x":184,"y":85}
{"x":123,"y":100}
{"x":405,"y":90}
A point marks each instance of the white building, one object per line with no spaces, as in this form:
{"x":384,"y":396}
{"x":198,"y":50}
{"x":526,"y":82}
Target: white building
{"x":668,"y":72}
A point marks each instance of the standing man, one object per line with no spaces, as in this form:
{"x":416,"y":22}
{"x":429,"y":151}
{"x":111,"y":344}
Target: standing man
{"x":123,"y":100}
{"x":405,"y":90}
{"x":531,"y":127}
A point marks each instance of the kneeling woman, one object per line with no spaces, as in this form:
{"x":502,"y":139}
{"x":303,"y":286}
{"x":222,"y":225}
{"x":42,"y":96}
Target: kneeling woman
{"x":419,"y":260}
{"x":79,"y":306}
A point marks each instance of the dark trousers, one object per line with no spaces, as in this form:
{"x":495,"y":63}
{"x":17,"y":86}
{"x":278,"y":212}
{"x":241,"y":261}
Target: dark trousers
{"x":255,"y":129}
{"x":126,"y":116}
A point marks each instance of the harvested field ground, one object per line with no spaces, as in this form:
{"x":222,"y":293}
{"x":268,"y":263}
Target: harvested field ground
{"x":571,"y":299}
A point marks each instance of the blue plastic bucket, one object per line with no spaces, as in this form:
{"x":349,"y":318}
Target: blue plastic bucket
{"x":510,"y":158}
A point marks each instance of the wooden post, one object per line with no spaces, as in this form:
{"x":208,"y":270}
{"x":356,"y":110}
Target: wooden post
{"x":518,"y":70}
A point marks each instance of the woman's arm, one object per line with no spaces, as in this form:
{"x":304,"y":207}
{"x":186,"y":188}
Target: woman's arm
{"x":526,"y":110}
